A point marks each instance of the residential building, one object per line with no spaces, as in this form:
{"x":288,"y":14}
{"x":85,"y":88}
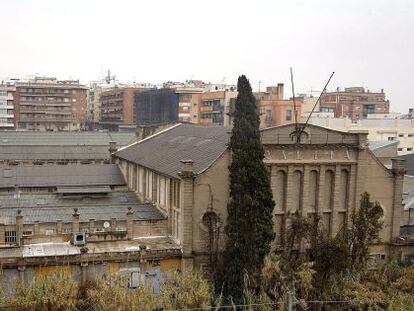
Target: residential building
{"x":48,"y":104}
{"x":275,"y":110}
{"x":7,"y":120}
{"x":188,"y":101}
{"x":117,"y":105}
{"x":355,"y":103}
{"x":81,"y":219}
{"x":216,"y":107}
{"x":157,"y":106}
{"x":380,"y":127}
{"x":27,"y":147}
{"x":183,"y":171}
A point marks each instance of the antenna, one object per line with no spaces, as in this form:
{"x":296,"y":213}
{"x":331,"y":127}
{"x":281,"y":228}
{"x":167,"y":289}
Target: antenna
{"x":294,"y":105}
{"x":313,"y":109}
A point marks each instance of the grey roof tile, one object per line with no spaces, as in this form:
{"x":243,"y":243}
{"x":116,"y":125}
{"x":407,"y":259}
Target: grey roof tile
{"x":163,"y":151}
{"x":52,"y":175}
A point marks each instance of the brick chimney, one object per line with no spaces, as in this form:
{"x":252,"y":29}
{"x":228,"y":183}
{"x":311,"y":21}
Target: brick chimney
{"x":75,"y":221}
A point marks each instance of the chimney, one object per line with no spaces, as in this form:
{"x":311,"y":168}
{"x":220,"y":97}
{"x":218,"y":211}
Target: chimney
{"x":36,"y":228}
{"x":280,"y":92}
{"x":59,"y":226}
{"x":75,"y":221}
{"x":130,"y":223}
{"x":112,"y":149}
{"x":113,"y":223}
{"x":91,"y":224}
{"x":19,"y":226}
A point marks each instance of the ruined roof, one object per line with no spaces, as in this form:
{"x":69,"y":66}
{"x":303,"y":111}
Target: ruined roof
{"x":53,"y":175}
{"x":162,"y":152}
{"x":17,"y":145}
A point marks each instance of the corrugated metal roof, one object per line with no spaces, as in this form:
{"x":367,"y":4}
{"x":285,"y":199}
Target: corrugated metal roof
{"x":49,"y":249}
{"x":81,"y":189}
{"x":53,"y":175}
{"x":15,"y":145}
{"x":163,"y":151}
{"x":51,"y":207}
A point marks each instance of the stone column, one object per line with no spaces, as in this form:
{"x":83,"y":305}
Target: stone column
{"x":397,"y":209}
{"x":305,"y":192}
{"x":187,"y":203}
{"x":130,"y":223}
{"x":336,"y":197}
{"x":75,"y":221}
{"x":19,"y":227}
{"x":21,"y":270}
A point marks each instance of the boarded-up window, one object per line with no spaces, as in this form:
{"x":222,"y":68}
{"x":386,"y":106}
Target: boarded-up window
{"x":344,"y":190}
{"x":296,"y":191}
{"x":329,"y":187}
{"x":279,"y":193}
{"x":313,"y":190}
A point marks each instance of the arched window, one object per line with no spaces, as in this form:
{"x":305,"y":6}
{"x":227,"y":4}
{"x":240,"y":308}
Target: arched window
{"x":329,"y":189}
{"x":344,"y":190}
{"x":296,"y":191}
{"x":280,"y":195}
{"x":313,"y":190}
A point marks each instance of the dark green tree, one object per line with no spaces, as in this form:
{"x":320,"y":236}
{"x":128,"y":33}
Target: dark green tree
{"x":249,"y":224}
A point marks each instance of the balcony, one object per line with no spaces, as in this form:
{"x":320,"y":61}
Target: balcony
{"x":206,"y":109}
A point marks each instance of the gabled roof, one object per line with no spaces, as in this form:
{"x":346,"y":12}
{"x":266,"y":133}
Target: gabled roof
{"x":53,"y":175}
{"x":162,"y":152}
{"x":376,"y":145}
{"x":409,"y":163}
{"x":16,"y":145}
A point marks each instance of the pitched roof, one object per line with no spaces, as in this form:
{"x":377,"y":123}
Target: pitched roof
{"x":53,"y":175}
{"x":48,"y":207}
{"x":162,"y":152}
{"x":16,"y":145}
{"x":375,"y":145}
{"x":409,"y":163}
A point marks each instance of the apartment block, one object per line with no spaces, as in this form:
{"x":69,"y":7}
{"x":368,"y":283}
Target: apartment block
{"x":48,"y":104}
{"x":188,"y":102}
{"x":275,"y":110}
{"x":7,"y":120}
{"x":354,"y":102}
{"x":216,"y":107}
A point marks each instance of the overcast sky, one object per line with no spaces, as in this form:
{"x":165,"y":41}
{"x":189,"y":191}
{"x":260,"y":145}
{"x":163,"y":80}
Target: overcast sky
{"x":367,"y":43}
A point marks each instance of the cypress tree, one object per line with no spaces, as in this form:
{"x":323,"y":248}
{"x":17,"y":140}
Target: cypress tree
{"x":249,"y":224}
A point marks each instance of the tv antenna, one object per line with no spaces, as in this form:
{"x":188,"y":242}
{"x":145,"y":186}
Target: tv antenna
{"x":299,"y":128}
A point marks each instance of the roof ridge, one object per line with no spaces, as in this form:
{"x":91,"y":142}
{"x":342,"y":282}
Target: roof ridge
{"x":149,"y":137}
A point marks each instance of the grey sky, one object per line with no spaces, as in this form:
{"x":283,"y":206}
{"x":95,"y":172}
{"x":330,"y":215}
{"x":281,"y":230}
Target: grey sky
{"x":363,"y":41}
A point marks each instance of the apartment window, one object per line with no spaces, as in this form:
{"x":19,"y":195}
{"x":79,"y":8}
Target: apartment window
{"x":289,"y":115}
{"x":67,"y":230}
{"x":400,"y":149}
{"x":10,"y":236}
{"x":391,"y":138}
{"x":50,"y":231}
{"x":410,"y":135}
{"x":400,"y":135}
{"x":27,"y":233}
{"x":409,"y":149}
